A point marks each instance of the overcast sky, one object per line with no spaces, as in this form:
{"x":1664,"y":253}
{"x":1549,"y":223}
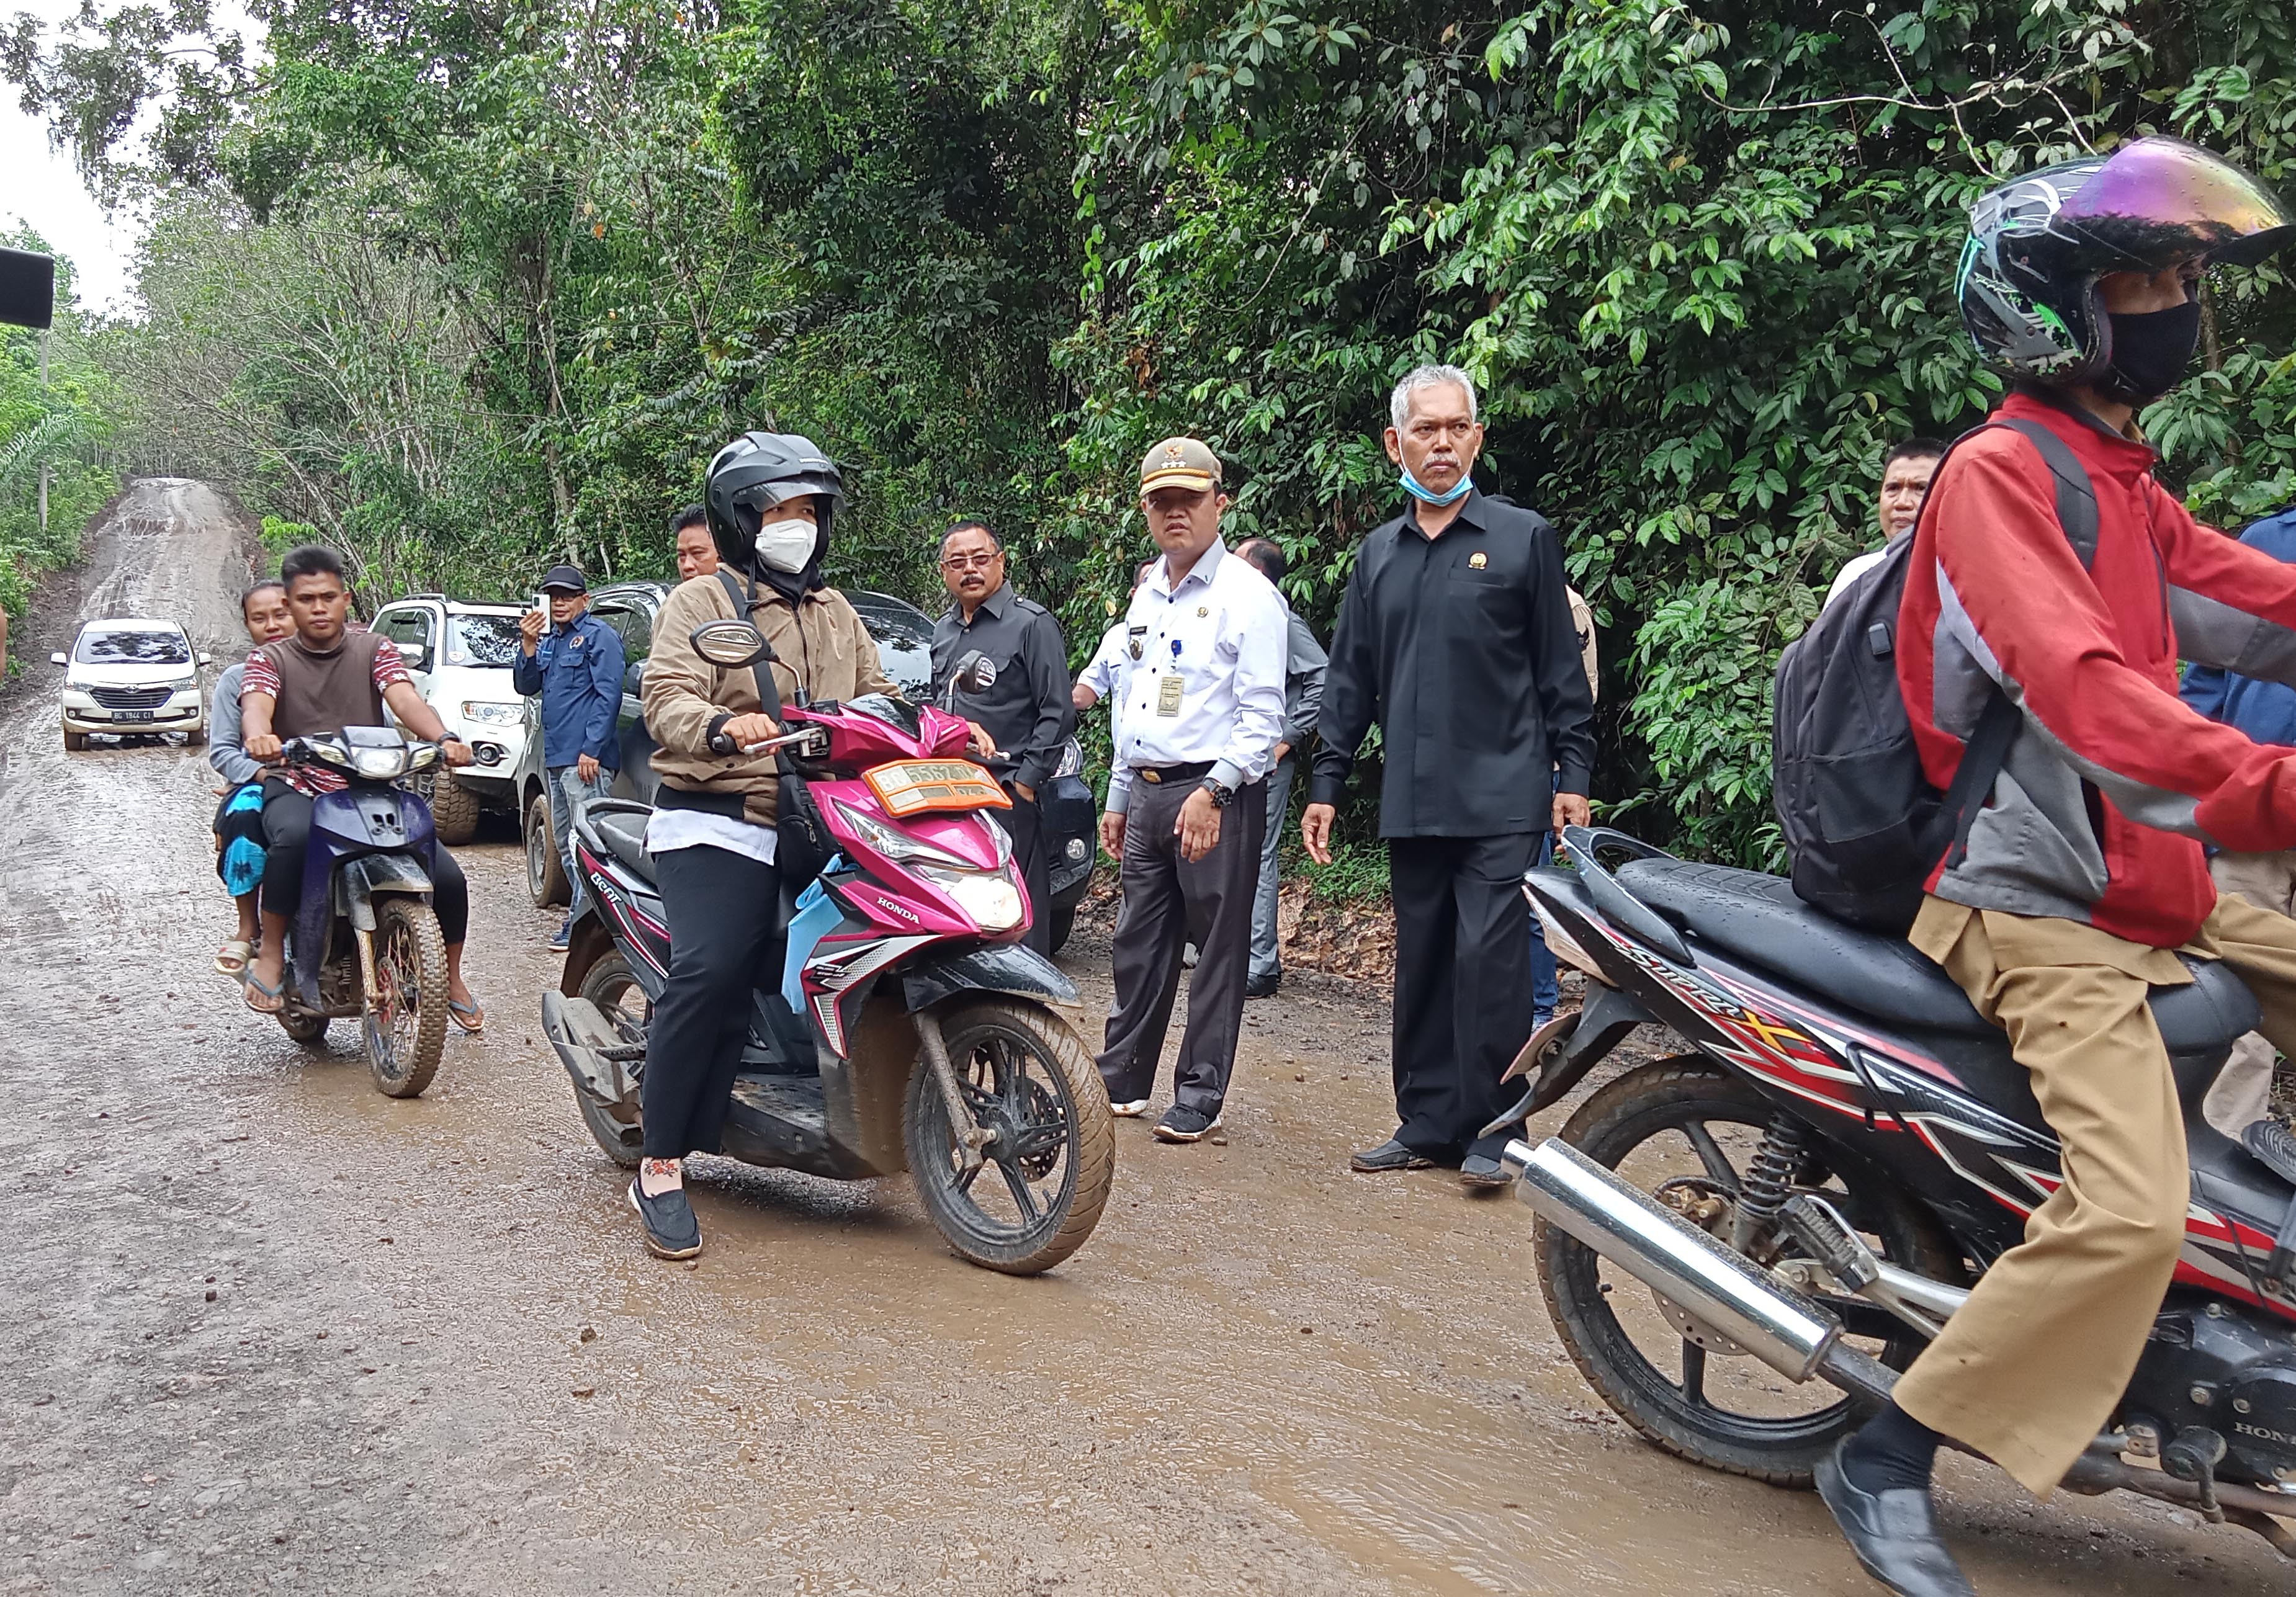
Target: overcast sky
{"x":44,"y":189}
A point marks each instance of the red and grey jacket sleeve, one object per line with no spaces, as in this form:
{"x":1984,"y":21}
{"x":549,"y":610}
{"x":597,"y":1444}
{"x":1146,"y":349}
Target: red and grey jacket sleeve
{"x":2013,"y":597}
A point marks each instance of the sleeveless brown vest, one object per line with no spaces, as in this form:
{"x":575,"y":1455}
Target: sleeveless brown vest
{"x":326,"y":693}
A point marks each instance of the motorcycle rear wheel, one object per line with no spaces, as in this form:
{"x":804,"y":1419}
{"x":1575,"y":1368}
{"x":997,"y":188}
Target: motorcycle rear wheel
{"x":407,"y":1024}
{"x":1026,"y":1074}
{"x":609,"y":985}
{"x":1728,"y":1413}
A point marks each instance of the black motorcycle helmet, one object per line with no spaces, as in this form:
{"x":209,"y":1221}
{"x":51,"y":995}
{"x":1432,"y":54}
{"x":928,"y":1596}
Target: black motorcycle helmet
{"x":2039,"y":243}
{"x":747,"y":479}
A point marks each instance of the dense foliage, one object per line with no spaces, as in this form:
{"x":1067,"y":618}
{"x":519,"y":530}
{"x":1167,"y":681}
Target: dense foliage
{"x":469,"y":284}
{"x":63,"y":425}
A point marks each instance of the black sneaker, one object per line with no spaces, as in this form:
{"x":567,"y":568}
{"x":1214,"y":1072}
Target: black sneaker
{"x":1263,"y":987}
{"x":671,"y":1231}
{"x":1181,"y":1124}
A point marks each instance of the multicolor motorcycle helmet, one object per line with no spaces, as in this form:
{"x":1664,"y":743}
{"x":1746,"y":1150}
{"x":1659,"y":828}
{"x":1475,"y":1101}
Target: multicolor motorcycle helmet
{"x":2039,"y":243}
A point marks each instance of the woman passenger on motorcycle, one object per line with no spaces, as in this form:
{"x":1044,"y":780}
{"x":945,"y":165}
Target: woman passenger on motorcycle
{"x":771,"y":499}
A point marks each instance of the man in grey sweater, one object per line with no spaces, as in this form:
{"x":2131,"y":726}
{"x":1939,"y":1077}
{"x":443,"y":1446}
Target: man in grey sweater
{"x":238,"y":818}
{"x":1303,"y":698}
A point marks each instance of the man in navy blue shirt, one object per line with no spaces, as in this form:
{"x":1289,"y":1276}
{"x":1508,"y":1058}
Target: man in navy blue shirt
{"x":2267,"y":712}
{"x":575,"y":662}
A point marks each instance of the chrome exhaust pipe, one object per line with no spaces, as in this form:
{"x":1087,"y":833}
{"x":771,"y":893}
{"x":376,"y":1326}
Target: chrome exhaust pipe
{"x":1723,"y":1290}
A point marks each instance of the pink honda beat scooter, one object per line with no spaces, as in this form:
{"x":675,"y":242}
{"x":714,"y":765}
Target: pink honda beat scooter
{"x":903,"y":1026}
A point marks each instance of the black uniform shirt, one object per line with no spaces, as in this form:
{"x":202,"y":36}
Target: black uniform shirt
{"x":1462,"y":648}
{"x":1027,"y":709}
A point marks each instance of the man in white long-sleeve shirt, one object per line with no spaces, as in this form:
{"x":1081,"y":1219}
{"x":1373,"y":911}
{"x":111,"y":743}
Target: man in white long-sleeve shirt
{"x":1200,"y":713}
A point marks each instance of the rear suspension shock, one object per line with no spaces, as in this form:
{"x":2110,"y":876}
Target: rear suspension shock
{"x":1767,"y":1184}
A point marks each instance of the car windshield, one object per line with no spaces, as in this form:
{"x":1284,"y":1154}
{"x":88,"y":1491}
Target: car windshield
{"x":133,"y":646}
{"x":482,"y":641}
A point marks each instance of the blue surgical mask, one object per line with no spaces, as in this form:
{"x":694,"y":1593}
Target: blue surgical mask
{"x":1426,"y":495}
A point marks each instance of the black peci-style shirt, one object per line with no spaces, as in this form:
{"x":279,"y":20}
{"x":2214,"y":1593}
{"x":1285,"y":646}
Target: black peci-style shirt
{"x":1462,"y":648}
{"x":1026,"y":709}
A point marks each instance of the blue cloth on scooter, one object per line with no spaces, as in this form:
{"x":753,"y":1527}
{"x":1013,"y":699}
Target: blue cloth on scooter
{"x":239,"y":823}
{"x":817,"y":916}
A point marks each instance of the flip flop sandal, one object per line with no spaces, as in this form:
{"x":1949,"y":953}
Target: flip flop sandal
{"x":254,"y":984}
{"x":231,"y":959}
{"x":469,"y":1017}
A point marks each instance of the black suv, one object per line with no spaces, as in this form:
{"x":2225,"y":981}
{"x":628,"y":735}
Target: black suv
{"x":904,"y":635}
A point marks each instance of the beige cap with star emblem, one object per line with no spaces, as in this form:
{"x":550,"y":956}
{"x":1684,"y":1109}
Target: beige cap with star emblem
{"x":1179,"y":463}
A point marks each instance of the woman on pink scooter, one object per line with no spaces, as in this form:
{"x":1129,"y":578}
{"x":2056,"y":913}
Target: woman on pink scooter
{"x":771,"y":499}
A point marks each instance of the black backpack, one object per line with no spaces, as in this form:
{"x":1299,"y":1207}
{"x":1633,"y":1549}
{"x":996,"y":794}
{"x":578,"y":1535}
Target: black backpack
{"x":1863,"y":826}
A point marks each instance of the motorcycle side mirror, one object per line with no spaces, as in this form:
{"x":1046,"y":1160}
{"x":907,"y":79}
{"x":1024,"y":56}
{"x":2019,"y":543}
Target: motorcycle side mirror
{"x":975,"y":674}
{"x":730,"y":643}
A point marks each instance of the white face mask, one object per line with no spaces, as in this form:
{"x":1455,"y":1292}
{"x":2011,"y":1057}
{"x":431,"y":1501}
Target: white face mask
{"x":786,"y":545}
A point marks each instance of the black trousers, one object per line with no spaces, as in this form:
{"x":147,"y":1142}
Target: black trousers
{"x":720,"y":905}
{"x":1169,"y":902}
{"x":1026,"y":822}
{"x":287,"y":829}
{"x":1462,"y":997}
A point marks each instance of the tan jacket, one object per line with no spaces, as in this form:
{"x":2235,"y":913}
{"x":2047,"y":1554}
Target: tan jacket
{"x":820,"y":643}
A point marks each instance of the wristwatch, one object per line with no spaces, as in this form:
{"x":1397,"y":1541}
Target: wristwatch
{"x":1219,"y":790}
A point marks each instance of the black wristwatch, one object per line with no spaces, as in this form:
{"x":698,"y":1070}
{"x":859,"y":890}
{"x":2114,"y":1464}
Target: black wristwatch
{"x":1219,"y":790}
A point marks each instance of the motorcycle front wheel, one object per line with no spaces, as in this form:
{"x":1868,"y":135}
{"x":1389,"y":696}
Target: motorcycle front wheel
{"x":1686,"y":1131}
{"x":1051,"y":1156}
{"x":407,"y":1018}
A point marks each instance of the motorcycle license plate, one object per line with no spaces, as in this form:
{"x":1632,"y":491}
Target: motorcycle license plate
{"x":131,"y":714}
{"x":912,"y":787}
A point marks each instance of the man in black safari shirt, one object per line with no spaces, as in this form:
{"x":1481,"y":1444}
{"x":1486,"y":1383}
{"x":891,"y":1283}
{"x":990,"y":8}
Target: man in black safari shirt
{"x":1456,"y":637}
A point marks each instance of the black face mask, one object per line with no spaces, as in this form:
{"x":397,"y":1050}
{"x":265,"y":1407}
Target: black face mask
{"x":2150,"y":350}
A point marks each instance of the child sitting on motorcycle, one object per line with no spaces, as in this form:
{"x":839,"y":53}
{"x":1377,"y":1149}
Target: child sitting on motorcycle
{"x":239,"y":817}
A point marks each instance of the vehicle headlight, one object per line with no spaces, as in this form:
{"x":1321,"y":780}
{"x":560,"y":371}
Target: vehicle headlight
{"x":489,"y":713}
{"x":1071,"y":759}
{"x":989,"y":896}
{"x":895,"y":844}
{"x":380,"y":764}
{"x":181,"y":685}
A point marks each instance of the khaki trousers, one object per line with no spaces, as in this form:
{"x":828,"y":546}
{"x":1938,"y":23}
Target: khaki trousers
{"x":2243,"y":1091}
{"x":2034,"y":1363}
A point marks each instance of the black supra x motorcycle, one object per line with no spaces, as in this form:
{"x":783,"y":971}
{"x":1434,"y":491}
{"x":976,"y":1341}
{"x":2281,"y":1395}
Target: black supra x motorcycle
{"x":1742,"y":1246}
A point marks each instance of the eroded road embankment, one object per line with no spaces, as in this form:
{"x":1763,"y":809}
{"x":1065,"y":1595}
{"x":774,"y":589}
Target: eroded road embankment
{"x":268,"y":1330}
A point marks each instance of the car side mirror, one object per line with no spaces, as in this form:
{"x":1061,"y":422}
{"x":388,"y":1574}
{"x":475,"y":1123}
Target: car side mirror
{"x":58,"y":660}
{"x":634,"y":679}
{"x":206,"y":659}
{"x":730,"y":643}
{"x":417,"y":655}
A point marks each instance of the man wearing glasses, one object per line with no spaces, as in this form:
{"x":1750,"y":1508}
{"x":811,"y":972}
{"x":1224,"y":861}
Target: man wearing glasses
{"x":1024,"y":708}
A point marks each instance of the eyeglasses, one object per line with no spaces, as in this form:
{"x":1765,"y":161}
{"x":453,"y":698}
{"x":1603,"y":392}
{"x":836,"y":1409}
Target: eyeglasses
{"x":971,"y":563}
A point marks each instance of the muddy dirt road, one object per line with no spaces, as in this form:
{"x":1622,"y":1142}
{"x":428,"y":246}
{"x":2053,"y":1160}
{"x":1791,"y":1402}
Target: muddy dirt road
{"x":268,"y":1330}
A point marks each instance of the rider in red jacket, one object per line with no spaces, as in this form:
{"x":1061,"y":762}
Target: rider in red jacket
{"x":2084,"y":876}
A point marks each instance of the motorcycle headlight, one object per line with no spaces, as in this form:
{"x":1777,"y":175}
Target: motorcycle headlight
{"x":1071,"y":759}
{"x":895,"y":844}
{"x":989,"y":896}
{"x":489,"y":713}
{"x":380,"y":764}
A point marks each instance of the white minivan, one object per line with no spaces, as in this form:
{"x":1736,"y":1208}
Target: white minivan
{"x":127,"y":674}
